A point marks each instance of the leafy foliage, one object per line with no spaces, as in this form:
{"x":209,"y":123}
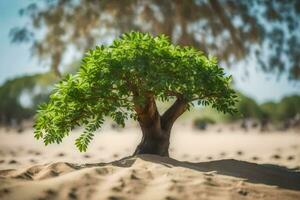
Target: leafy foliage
{"x":113,"y":79}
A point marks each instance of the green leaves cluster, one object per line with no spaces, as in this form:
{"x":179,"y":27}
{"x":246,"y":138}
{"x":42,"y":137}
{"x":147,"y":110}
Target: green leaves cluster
{"x":112,"y":79}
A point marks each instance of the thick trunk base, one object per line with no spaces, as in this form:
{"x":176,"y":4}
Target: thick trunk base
{"x":154,"y":144}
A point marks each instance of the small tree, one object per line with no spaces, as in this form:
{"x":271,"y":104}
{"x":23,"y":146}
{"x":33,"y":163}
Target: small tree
{"x":124,"y":80}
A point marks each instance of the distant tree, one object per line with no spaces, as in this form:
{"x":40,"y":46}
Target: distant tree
{"x":232,"y":30}
{"x":124,"y":80}
{"x":283,"y":113}
{"x":270,"y":111}
{"x":247,"y":109}
{"x":12,"y":112}
{"x":269,"y":115}
{"x":202,"y":122}
{"x":289,"y":107}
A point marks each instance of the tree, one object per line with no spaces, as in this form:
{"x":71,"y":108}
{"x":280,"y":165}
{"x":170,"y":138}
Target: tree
{"x":11,"y":108}
{"x":231,"y":30}
{"x":289,"y":107}
{"x":247,"y":109}
{"x":124,"y":80}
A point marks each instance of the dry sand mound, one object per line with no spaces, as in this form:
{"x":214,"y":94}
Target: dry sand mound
{"x":151,"y":177}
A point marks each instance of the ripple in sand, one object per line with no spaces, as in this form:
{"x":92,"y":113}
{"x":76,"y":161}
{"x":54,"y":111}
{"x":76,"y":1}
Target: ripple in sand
{"x":209,"y":157}
{"x":103,"y":171}
{"x":290,"y":157}
{"x":242,"y":192}
{"x":4,"y":192}
{"x":60,"y":155}
{"x":13,"y":162}
{"x":115,"y":198}
{"x":223,"y":154}
{"x":50,"y":192}
{"x":72,"y":194}
{"x":86,"y":156}
{"x":170,"y":198}
{"x":255,"y":158}
{"x":276,"y":156}
{"x":115,"y":155}
{"x":134,"y":177}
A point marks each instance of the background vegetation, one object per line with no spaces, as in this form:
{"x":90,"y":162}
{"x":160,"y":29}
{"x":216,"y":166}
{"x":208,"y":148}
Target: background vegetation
{"x":261,"y":33}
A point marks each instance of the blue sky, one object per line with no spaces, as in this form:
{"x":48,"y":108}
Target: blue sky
{"x":15,"y":61}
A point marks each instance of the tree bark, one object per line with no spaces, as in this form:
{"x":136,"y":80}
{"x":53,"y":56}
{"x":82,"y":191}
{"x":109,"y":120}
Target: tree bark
{"x":154,"y":141}
{"x":156,"y":129}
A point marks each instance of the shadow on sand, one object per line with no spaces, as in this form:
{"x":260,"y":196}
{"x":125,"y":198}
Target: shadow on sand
{"x":254,"y":173}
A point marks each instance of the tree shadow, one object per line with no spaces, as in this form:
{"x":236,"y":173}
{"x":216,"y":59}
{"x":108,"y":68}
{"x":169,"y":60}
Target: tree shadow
{"x":268,"y":174}
{"x":254,"y":173}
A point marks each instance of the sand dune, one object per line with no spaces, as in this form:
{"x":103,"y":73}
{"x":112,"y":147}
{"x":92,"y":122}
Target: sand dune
{"x":231,"y":164}
{"x":151,"y":177}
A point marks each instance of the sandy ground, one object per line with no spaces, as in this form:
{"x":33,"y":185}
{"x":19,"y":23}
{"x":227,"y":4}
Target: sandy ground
{"x":222,"y":162}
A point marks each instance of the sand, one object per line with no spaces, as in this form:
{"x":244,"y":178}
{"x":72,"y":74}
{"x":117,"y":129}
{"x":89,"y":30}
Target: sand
{"x":223,"y":162}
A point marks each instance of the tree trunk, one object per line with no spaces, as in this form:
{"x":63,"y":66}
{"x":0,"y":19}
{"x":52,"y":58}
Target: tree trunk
{"x":156,"y":129}
{"x":154,"y":141}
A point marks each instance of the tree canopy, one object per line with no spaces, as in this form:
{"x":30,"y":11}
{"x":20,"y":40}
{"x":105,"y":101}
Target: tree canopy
{"x":263,"y":32}
{"x":121,"y":80}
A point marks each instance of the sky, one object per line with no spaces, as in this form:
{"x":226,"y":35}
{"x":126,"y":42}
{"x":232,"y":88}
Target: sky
{"x":16,"y":60}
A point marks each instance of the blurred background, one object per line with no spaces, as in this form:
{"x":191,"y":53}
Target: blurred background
{"x":258,"y":42}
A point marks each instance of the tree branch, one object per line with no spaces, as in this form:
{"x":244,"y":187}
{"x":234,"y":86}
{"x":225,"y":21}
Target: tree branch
{"x":177,"y":109}
{"x":148,"y":114}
